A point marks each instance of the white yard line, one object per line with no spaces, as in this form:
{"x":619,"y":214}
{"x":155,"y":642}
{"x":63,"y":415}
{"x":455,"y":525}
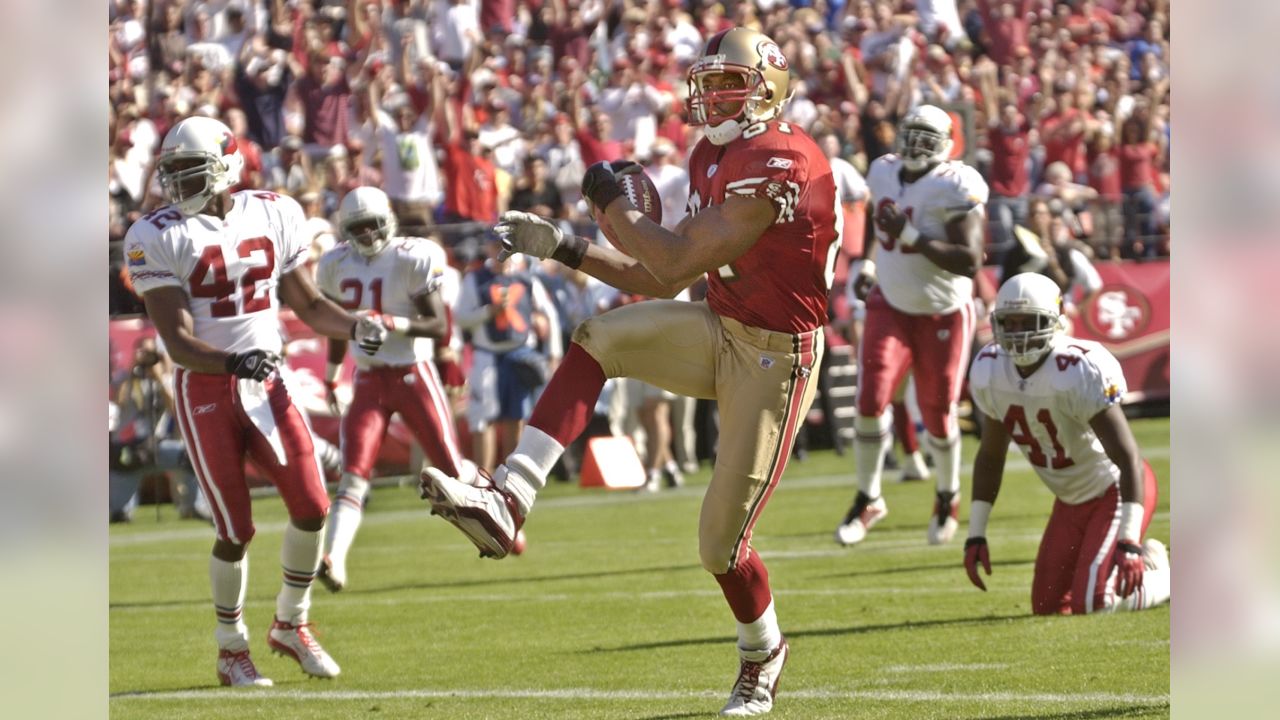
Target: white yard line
{"x":220,"y":695}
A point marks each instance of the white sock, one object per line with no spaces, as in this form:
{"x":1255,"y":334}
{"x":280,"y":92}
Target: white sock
{"x":299,"y":559}
{"x":528,"y":466}
{"x":871,"y":440}
{"x":946,"y":462}
{"x":762,"y":633}
{"x":345,"y":516}
{"x":228,"y":580}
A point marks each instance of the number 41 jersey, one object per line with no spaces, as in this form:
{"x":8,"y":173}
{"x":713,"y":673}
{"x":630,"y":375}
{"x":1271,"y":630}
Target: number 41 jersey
{"x":228,"y":268}
{"x":1048,"y":414}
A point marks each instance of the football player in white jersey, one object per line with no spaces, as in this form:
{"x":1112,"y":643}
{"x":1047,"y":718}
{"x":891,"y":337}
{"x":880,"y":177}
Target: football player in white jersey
{"x":212,"y":268}
{"x":398,"y":279}
{"x":1058,"y":398}
{"x":928,"y":219}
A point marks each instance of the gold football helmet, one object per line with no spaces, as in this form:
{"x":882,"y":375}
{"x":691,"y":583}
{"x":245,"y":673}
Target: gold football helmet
{"x":741,"y":78}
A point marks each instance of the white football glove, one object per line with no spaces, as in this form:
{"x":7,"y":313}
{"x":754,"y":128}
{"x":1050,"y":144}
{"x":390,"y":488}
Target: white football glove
{"x":522,"y":232}
{"x":369,"y":333}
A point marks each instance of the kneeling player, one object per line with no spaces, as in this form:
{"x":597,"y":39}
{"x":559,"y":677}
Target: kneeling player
{"x":1058,"y":398}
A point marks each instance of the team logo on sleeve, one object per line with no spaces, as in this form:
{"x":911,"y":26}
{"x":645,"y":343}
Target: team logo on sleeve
{"x":136,"y":256}
{"x":1113,"y":394}
{"x":772,"y":54}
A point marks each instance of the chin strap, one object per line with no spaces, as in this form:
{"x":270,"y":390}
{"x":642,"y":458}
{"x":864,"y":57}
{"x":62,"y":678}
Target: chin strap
{"x":724,"y":133}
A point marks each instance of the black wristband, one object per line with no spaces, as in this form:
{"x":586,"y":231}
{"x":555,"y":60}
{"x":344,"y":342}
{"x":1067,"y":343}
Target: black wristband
{"x":572,"y":250}
{"x":230,"y":363}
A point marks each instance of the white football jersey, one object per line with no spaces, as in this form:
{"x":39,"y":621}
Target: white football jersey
{"x":388,"y":283}
{"x":1048,"y":414}
{"x":228,"y":268}
{"x":910,"y":281}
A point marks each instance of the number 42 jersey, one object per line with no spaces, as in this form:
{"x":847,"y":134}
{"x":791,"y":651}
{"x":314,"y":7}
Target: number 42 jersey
{"x":1048,"y":413}
{"x":229,"y":268}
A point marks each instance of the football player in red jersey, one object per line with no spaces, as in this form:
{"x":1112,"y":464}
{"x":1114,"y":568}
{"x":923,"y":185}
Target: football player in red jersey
{"x":764,"y":226}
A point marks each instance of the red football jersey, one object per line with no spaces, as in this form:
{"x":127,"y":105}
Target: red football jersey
{"x":782,"y":282}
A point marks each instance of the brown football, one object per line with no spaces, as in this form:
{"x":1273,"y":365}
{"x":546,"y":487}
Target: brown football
{"x":643,"y":194}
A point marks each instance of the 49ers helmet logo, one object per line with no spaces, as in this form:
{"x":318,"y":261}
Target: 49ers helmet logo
{"x":772,"y":54}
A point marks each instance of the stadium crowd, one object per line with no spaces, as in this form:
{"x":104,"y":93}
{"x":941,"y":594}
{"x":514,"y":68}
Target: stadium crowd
{"x":461,"y":109}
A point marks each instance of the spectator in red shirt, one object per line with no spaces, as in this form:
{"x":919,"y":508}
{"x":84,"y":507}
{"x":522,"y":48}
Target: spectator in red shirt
{"x":1137,"y":180}
{"x":1104,"y":177}
{"x":324,"y":98}
{"x":1008,"y":137}
{"x":471,"y":188}
{"x":1066,"y":131}
{"x":1006,"y":27}
{"x":251,"y":174}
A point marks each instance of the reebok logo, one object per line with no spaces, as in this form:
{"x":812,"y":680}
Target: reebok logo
{"x":204,"y":409}
{"x":777,"y":162}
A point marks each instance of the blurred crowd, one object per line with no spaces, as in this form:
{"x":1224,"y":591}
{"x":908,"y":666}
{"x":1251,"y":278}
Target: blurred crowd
{"x":460,"y":109}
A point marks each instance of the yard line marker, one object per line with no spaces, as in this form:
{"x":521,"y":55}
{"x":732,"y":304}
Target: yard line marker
{"x":262,"y":694}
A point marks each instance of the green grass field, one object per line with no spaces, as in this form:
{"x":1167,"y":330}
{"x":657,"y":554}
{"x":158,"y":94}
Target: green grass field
{"x":609,"y":615}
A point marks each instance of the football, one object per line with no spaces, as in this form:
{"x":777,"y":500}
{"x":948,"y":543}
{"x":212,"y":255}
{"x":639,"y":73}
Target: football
{"x":643,"y":194}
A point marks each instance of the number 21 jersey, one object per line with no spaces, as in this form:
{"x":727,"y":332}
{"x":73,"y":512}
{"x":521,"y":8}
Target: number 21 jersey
{"x":229,"y":268}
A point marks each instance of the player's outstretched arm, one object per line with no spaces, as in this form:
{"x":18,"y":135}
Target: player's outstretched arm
{"x":326,"y":317}
{"x":1117,"y":440}
{"x":988,"y":474}
{"x":713,"y":238}
{"x":170,"y":312}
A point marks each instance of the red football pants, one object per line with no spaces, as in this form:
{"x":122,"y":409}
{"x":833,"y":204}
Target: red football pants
{"x":219,"y":431}
{"x":935,"y":347}
{"x":413,"y":391}
{"x":1077,"y":552}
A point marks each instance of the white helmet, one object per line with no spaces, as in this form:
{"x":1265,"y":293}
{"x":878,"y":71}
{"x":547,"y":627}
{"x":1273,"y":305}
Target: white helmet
{"x":360,"y":206}
{"x":199,"y":158}
{"x":1027,"y":317}
{"x":924,"y":137}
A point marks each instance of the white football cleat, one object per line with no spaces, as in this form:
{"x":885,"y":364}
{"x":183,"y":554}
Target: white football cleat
{"x":864,"y":514}
{"x":487,"y":515}
{"x":237,"y":670}
{"x":298,"y":642}
{"x":757,"y":683}
{"x":332,"y":575}
{"x":914,"y":468}
{"x":945,"y":519}
{"x":1154,"y":555}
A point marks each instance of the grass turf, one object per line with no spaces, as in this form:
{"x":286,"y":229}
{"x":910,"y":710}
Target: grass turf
{"x":609,"y":615}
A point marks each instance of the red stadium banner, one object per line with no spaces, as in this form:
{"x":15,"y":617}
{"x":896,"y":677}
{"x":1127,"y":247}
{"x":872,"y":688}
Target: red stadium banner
{"x":1130,"y":316}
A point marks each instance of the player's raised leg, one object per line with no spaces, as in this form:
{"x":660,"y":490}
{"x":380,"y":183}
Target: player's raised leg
{"x":622,"y":342}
